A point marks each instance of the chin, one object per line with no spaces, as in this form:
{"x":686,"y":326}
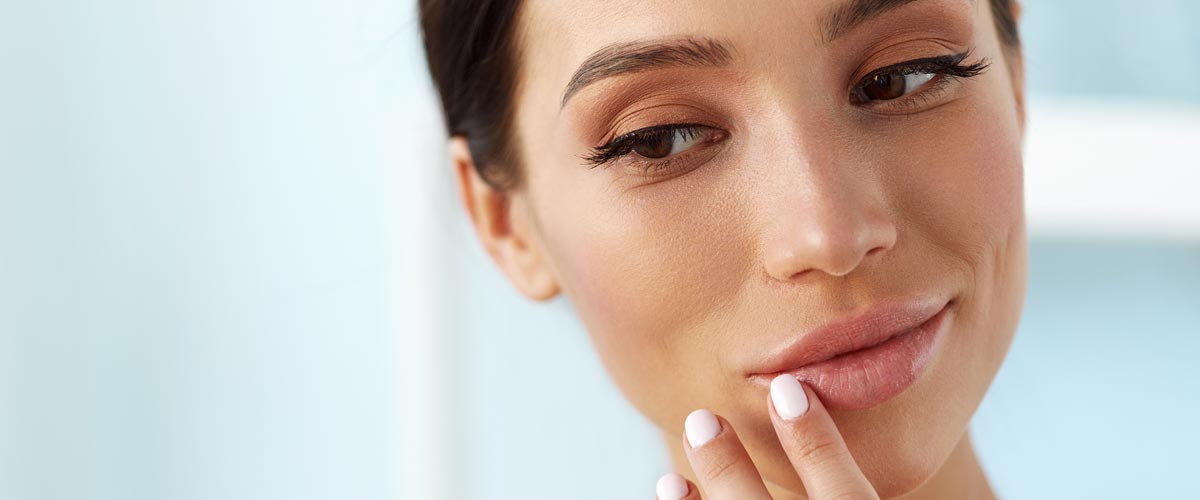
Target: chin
{"x":900,"y":455}
{"x":902,"y":471}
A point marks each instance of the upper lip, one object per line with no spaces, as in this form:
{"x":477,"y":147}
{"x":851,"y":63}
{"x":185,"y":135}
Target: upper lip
{"x":870,"y":327}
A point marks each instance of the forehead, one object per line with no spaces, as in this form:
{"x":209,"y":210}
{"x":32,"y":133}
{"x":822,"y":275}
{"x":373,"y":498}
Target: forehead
{"x":556,"y":36}
{"x":561,"y":34}
{"x":595,"y":20}
{"x":567,"y":23}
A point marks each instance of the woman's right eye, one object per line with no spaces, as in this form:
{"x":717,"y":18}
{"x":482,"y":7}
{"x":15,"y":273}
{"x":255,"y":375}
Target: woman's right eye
{"x":670,"y":142}
{"x":652,"y":147}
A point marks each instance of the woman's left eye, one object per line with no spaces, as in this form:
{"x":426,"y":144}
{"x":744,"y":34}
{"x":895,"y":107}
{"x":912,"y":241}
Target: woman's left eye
{"x":894,"y":85}
{"x":899,"y":80}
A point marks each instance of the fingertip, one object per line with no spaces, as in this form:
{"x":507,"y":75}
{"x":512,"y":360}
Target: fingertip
{"x":672,"y":486}
{"x":700,"y":427}
{"x":720,"y":463}
{"x":814,"y":445}
{"x":789,"y":398}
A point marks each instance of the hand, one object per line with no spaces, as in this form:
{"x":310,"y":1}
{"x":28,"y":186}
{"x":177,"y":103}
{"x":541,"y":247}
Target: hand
{"x":812,"y":442}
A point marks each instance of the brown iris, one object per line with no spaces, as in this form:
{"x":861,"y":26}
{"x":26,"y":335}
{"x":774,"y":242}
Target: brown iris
{"x":656,"y":147}
{"x":884,"y":87}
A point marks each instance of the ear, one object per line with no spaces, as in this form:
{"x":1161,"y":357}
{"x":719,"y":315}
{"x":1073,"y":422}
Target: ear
{"x":504,"y":224}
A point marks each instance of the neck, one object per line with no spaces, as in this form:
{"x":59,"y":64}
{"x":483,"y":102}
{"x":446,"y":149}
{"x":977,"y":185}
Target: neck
{"x":960,"y":478}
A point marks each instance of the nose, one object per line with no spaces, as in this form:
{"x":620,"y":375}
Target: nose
{"x":830,"y":222}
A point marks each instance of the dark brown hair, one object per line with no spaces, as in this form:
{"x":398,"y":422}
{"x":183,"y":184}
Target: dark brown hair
{"x":471,"y":49}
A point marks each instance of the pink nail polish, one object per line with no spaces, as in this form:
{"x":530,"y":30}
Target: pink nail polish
{"x":671,"y":486}
{"x":700,"y":427}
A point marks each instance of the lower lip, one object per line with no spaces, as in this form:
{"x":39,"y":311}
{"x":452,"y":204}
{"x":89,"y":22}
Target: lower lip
{"x":867,"y":377}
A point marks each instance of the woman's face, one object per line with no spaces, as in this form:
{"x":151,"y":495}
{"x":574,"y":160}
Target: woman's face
{"x":800,"y":198}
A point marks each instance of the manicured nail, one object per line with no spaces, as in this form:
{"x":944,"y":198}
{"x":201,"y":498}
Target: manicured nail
{"x":700,"y":427}
{"x":788,"y":397}
{"x":671,"y":486}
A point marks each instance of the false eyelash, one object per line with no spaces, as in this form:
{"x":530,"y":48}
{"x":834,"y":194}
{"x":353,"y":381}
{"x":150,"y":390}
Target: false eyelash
{"x":949,"y":65}
{"x":624,"y":144}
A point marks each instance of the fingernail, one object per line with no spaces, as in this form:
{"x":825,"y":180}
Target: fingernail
{"x":788,"y":397}
{"x":700,"y":427}
{"x":671,"y":486}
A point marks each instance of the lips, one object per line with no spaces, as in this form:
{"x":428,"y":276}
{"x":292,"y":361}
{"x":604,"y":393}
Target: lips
{"x":864,"y":359}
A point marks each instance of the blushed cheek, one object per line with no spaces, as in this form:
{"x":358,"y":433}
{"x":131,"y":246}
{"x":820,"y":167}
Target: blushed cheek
{"x":626,"y":280}
{"x":613,"y":295}
{"x":964,"y":190}
{"x":596,"y":285}
{"x":972,"y":212}
{"x":602,"y":278}
{"x":648,"y":277}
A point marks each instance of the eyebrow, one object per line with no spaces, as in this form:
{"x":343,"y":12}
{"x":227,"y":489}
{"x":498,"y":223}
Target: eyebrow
{"x":632,"y":57}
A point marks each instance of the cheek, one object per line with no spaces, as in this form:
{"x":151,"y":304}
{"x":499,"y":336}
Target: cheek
{"x":963,"y":195}
{"x":958,"y":190}
{"x":970,"y":201}
{"x":645,"y":269}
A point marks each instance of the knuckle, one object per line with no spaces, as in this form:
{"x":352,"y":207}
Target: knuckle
{"x":719,"y":466}
{"x":818,"y":448}
{"x":847,"y":495}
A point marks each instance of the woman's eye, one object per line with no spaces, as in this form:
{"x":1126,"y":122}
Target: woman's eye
{"x":672,"y":142}
{"x":657,"y":147}
{"x":893,"y":85}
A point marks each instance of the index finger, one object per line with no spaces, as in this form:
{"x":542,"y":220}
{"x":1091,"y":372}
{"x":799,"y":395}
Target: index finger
{"x":814,"y":445}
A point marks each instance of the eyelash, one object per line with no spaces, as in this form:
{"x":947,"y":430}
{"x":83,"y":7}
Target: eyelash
{"x":624,"y":145}
{"x":943,"y":67}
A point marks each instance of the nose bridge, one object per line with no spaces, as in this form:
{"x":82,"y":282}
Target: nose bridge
{"x":827,"y":209}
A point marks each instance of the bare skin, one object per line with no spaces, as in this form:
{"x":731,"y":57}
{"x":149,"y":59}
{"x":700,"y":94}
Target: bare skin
{"x":791,"y":203}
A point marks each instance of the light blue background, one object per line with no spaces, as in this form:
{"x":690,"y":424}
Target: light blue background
{"x":203,"y":278}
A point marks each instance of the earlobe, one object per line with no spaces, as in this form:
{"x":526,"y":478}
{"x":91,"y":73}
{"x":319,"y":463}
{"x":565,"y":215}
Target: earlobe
{"x":527,"y":265}
{"x":501,"y":222}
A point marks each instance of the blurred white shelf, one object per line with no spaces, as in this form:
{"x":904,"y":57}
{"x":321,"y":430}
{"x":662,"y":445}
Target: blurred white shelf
{"x":1111,"y":168}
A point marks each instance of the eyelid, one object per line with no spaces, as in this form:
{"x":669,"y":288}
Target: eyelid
{"x":905,"y":66}
{"x":932,"y":64}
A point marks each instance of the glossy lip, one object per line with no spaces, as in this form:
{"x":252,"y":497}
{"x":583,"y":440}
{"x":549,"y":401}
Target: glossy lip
{"x":861,"y":360}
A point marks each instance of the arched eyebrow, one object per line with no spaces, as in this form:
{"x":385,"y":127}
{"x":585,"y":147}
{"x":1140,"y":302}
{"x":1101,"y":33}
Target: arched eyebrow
{"x":643,"y":55}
